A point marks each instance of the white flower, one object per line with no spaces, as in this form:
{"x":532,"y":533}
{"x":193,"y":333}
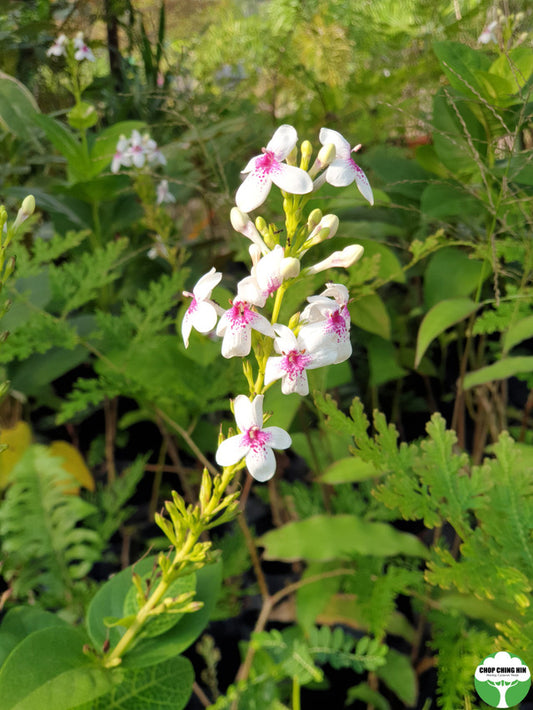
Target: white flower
{"x":339,"y":259}
{"x":121,"y":156}
{"x":265,"y":169}
{"x":297,"y":356}
{"x":488,"y":34}
{"x":327,"y":321}
{"x":58,"y":49}
{"x":135,"y":152}
{"x":344,"y":170}
{"x":254,"y":443}
{"x":163,"y":193}
{"x":82,"y":50}
{"x":159,"y":249}
{"x":202,"y":312}
{"x":265,"y":279}
{"x":236,"y":325}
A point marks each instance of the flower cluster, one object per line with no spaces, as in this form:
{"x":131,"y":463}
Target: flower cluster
{"x":81,"y":50}
{"x":137,"y":150}
{"x":316,"y":337}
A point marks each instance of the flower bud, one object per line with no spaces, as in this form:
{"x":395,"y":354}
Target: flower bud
{"x":326,"y":155}
{"x":345,"y":258}
{"x":243,"y":224}
{"x":306,"y":150}
{"x":289,"y":268}
{"x":255,"y":253}
{"x":294,"y":320}
{"x":314,"y":218}
{"x":325,"y":229}
{"x":206,"y":489}
{"x":26,"y":210}
{"x":291,"y":158}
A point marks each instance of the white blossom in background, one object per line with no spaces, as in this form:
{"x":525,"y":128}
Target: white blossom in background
{"x":344,"y":170}
{"x":254,"y":443}
{"x":263,"y":170}
{"x":59,"y":48}
{"x":137,"y":150}
{"x":297,"y":356}
{"x":163,"y":193}
{"x":121,"y":156}
{"x":488,"y":35}
{"x":82,"y":50}
{"x":160,"y":249}
{"x":202,"y":312}
{"x":236,"y":325}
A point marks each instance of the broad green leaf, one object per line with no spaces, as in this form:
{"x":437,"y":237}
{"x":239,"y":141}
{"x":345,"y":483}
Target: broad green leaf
{"x":515,"y":66}
{"x":462,"y":276}
{"x":17,"y":108}
{"x":368,"y":696}
{"x":48,"y":670}
{"x":109,"y":602}
{"x":76,"y":213}
{"x":37,"y":372}
{"x":520,"y":331}
{"x":459,"y":138}
{"x":349,"y":470}
{"x":312,"y":597}
{"x":82,"y":116}
{"x":283,"y":406}
{"x":383,"y":360}
{"x":67,"y":144}
{"x":399,"y":675}
{"x":20,"y":622}
{"x":161,"y":686}
{"x":370,"y":314}
{"x":460,"y":64}
{"x":501,"y":370}
{"x":390,"y":268}
{"x":323,"y":538}
{"x":449,"y":199}
{"x":104,"y":145}
{"x":440,"y":318}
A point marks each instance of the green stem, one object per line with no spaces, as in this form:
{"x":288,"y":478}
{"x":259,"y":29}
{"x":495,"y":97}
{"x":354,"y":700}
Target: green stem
{"x":295,"y":693}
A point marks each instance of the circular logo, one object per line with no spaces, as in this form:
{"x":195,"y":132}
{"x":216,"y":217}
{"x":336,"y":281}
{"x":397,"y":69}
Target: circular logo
{"x":502,"y":680}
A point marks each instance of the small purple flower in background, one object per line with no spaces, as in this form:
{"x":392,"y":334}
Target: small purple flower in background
{"x":265,"y":169}
{"x":344,"y":170}
{"x":236,"y":325}
{"x":164,"y":194}
{"x":82,"y":50}
{"x":254,"y":443}
{"x":202,"y":312}
{"x":58,"y":49}
{"x":297,"y":356}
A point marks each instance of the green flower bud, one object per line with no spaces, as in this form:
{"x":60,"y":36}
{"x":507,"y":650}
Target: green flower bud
{"x":306,"y":150}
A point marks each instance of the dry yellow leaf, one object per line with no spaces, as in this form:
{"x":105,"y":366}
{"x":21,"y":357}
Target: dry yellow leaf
{"x":73,"y":463}
{"x":17,"y":439}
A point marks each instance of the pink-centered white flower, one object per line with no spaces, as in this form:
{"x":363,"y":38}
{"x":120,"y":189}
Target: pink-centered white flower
{"x":265,"y":278}
{"x":236,"y":325}
{"x":489,"y":35}
{"x":121,"y":156}
{"x":59,"y":48}
{"x":82,"y":50}
{"x":327,"y":321}
{"x":297,"y":355}
{"x":344,"y":170}
{"x":202,"y":312}
{"x":254,"y":443}
{"x":268,"y":168}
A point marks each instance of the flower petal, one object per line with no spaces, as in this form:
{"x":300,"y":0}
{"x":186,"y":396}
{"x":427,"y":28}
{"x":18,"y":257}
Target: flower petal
{"x":186,"y":327}
{"x":295,"y":382}
{"x":261,"y":463}
{"x":292,"y":179}
{"x":273,"y":370}
{"x":236,"y":343}
{"x":341,"y":173}
{"x":283,"y":141}
{"x":279,"y":439}
{"x":204,"y":318}
{"x":231,"y":451}
{"x":253,"y":191}
{"x":285,"y":339}
{"x":261,"y":324}
{"x":342,"y":147}
{"x":206,"y":284}
{"x":244,"y":413}
{"x":257,"y":411}
{"x":363,"y":185}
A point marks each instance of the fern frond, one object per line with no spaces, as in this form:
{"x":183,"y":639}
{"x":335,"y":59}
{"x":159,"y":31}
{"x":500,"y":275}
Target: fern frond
{"x":45,"y":548}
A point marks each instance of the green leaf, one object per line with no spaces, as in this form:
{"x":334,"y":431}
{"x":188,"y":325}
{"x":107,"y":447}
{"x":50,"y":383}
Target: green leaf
{"x":501,"y":370}
{"x":438,"y":319}
{"x":162,"y":686}
{"x":323,"y":538}
{"x":370,"y":314}
{"x":109,"y":602}
{"x":449,"y":199}
{"x":20,"y":622}
{"x":398,"y":674}
{"x":17,"y":108}
{"x":516,"y":67}
{"x":368,"y":696}
{"x":311,"y":598}
{"x":66,"y":143}
{"x":459,"y":138}
{"x":383,"y":360}
{"x":48,"y":670}
{"x":460,"y":64}
{"x":520,"y":331}
{"x":350,"y":470}
{"x":82,"y":116}
{"x":390,"y":268}
{"x":462,"y":276}
{"x":38,"y":371}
